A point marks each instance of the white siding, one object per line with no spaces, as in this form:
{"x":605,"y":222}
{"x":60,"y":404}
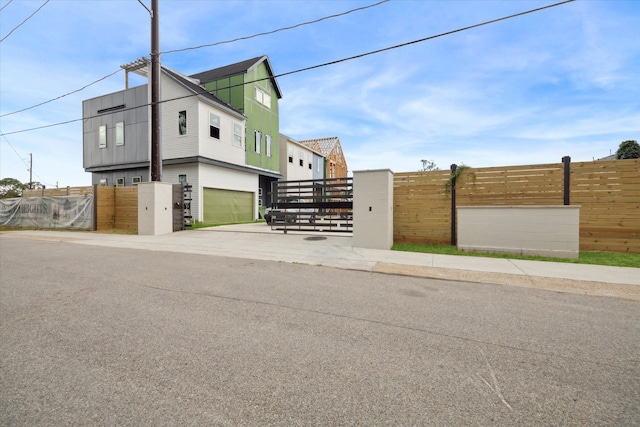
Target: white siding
{"x":295,"y":172}
{"x":223,"y":148}
{"x":171,"y":173}
{"x":174,"y":145}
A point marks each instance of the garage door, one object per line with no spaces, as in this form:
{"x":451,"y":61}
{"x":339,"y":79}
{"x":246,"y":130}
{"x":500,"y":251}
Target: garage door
{"x":226,"y":206}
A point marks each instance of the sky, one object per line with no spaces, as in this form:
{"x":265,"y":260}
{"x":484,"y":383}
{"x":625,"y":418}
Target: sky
{"x":564,"y":81}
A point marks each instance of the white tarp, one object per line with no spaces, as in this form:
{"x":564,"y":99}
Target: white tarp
{"x":74,"y":212}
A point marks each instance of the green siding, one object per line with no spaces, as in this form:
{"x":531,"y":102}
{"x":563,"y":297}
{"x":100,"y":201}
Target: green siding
{"x":225,"y":206}
{"x":259,"y":118}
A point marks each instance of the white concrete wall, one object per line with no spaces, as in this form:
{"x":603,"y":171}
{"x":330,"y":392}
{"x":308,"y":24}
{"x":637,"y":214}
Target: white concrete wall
{"x":373,"y":209}
{"x":528,"y":230}
{"x":155,"y":208}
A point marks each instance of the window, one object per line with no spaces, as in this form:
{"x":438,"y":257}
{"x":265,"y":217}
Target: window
{"x":182,"y":178}
{"x":267,"y":141}
{"x":120,"y":134}
{"x":103,"y":182}
{"x":102,"y":136}
{"x":136,"y":180}
{"x":258,"y":141}
{"x":182,"y":123}
{"x":301,"y":157}
{"x":319,"y":165}
{"x":214,"y":126}
{"x":263,"y":98}
{"x":290,"y":155}
{"x":119,"y":182}
{"x":237,"y":135}
{"x":310,"y":160}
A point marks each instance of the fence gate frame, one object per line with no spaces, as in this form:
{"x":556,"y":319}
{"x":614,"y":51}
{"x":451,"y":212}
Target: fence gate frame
{"x":312,"y":205}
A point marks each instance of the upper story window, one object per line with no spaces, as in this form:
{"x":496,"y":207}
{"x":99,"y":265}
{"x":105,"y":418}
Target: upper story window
{"x":102,"y":136}
{"x":182,"y":178}
{"x":237,"y":135}
{"x":267,"y":142}
{"x":258,"y":141}
{"x":263,"y":97}
{"x":290,"y":154}
{"x":136,"y":180}
{"x":301,"y":157}
{"x":182,"y":123}
{"x":119,"y":182}
{"x":214,"y":126}
{"x":120,"y":134}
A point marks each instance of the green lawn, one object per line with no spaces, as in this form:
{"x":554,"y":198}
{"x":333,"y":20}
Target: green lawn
{"x":600,"y":258}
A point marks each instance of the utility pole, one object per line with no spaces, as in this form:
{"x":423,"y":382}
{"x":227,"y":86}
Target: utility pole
{"x":156,"y":160}
{"x":30,"y":171}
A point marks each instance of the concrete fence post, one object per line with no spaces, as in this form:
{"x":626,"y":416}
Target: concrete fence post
{"x":373,"y":209}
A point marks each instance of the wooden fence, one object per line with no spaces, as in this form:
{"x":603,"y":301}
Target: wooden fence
{"x":607,"y":191}
{"x":115,"y":207}
{"x":65,"y":191}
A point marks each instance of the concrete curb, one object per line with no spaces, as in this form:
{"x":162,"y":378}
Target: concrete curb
{"x":630,"y":292}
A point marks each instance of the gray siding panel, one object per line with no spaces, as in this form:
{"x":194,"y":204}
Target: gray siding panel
{"x":136,"y":120}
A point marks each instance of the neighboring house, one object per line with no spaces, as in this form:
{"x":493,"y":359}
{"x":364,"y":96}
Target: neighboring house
{"x":330,"y":148}
{"x":298,"y":161}
{"x":251,"y":88}
{"x":203,"y":143}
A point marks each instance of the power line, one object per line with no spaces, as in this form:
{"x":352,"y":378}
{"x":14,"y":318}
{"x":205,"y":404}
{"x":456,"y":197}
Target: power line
{"x":62,"y":96}
{"x":20,"y":24}
{"x":6,"y":4}
{"x":23,"y":160}
{"x":14,"y":150}
{"x":315,"y":21}
{"x":199,"y":47}
{"x":313,"y":67}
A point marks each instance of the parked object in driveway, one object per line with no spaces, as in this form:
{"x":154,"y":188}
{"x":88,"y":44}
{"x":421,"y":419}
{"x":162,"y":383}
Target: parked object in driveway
{"x":289,"y":211}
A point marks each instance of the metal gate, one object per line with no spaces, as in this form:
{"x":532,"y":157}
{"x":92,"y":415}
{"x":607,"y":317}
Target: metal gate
{"x":181,"y":206}
{"x":311,"y":205}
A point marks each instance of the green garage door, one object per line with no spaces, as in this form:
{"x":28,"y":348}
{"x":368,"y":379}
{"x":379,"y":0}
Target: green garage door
{"x":226,"y":206}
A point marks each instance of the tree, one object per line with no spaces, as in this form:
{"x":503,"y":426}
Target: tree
{"x":11,"y":187}
{"x":628,"y":150}
{"x":429,"y":165}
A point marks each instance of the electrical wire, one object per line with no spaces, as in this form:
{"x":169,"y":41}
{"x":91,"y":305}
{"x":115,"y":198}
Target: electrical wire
{"x":202,"y":46}
{"x":5,"y":5}
{"x":313,"y":67}
{"x":14,"y":150}
{"x":23,"y":159}
{"x":62,"y":96}
{"x":20,"y":24}
{"x":315,"y":21}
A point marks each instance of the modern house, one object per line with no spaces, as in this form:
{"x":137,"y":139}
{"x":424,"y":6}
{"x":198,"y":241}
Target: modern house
{"x":330,"y":148}
{"x":203,"y":143}
{"x":299,"y":161}
{"x":251,"y":88}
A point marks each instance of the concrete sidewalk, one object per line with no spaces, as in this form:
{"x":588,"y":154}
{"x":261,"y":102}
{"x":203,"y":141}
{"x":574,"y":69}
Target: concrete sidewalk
{"x":258,"y":241}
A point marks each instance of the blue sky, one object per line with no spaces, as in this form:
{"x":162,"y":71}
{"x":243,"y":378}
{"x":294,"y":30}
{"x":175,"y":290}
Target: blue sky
{"x":532,"y":89}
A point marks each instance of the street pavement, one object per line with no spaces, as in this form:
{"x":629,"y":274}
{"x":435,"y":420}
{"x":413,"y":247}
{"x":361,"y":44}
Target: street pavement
{"x":202,"y":328}
{"x":258,"y":241}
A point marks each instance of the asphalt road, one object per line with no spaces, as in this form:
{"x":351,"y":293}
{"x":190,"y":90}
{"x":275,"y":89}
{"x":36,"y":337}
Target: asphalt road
{"x":106,"y":336}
